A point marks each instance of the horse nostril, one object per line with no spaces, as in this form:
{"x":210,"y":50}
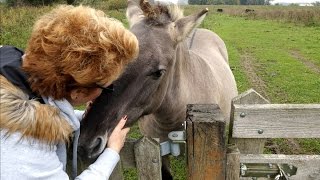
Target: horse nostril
{"x":81,"y":151}
{"x":97,"y":147}
{"x":97,"y":144}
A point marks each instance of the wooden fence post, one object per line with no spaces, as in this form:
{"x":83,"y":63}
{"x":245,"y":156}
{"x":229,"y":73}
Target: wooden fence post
{"x":233,"y":163}
{"x":205,"y":142}
{"x":148,"y":159}
{"x":117,"y":173}
{"x":250,"y":145}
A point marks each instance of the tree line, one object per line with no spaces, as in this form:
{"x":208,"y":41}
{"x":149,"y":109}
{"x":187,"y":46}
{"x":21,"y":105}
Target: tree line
{"x":118,"y":4}
{"x":231,"y":2}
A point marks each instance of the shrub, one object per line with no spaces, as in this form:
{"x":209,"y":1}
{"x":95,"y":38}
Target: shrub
{"x":117,"y":4}
{"x":15,"y":3}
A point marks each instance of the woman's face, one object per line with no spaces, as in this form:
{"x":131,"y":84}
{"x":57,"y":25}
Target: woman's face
{"x":81,"y":96}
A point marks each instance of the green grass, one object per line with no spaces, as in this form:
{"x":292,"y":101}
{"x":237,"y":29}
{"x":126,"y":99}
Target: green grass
{"x":16,"y":24}
{"x":269,"y":44}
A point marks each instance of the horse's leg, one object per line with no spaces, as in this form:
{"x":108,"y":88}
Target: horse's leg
{"x":165,"y":169}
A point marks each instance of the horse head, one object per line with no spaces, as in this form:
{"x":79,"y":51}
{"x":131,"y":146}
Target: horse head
{"x":148,"y":84}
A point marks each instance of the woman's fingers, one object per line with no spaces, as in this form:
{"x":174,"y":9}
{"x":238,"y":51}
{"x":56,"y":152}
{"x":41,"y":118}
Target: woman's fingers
{"x":118,"y":135}
{"x":122,"y":122}
{"x":88,"y":106}
{"x":125,"y":130}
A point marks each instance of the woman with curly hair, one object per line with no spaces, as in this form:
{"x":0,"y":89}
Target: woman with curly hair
{"x":73,"y":53}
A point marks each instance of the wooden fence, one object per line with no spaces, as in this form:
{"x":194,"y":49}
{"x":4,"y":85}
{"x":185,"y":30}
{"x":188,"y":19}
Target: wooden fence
{"x":254,"y":119}
{"x":143,"y":154}
{"x":217,"y":153}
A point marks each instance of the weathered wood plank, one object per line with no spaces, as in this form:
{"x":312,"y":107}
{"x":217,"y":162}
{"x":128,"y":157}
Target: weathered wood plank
{"x":233,"y":163}
{"x":148,"y":159}
{"x":117,"y":173}
{"x":308,"y":165}
{"x":248,"y":146}
{"x":276,"y":121}
{"x":250,"y":97}
{"x":205,"y":142}
{"x":127,"y":154}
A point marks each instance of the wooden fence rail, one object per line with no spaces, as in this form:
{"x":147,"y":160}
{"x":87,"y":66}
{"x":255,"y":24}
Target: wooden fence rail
{"x":276,"y":121}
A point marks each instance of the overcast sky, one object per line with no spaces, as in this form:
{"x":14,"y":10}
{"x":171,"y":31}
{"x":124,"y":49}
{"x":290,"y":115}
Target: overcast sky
{"x":294,"y":1}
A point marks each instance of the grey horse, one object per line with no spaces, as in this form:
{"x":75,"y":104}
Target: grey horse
{"x":177,"y":65}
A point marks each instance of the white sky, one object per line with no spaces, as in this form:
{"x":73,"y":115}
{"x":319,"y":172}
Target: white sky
{"x":293,"y":1}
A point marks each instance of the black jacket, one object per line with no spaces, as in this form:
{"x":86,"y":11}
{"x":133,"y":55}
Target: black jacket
{"x":10,"y":68}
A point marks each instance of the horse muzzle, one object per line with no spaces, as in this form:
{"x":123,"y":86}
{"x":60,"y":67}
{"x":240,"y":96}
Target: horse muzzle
{"x":93,"y":148}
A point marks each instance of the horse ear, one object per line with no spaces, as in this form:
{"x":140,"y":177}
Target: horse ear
{"x":185,"y":25}
{"x":134,"y":13}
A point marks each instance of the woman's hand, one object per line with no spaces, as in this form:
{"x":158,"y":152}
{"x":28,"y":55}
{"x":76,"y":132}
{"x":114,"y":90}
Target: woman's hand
{"x":118,"y":135}
{"x":88,"y":106}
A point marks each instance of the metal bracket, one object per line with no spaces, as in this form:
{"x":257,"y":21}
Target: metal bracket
{"x":176,"y":138}
{"x":267,"y":170}
{"x":173,"y":145}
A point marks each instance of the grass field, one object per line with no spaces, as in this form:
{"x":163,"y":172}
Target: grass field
{"x":279,"y":59}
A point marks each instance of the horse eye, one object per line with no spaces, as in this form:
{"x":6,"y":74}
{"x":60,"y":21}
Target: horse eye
{"x":158,"y":73}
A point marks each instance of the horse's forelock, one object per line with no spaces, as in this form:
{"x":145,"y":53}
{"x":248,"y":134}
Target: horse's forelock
{"x":160,"y":14}
{"x":175,"y":12}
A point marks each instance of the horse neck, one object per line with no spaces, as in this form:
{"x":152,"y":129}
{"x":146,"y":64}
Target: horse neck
{"x":187,"y":63}
{"x":179,"y":79}
{"x":182,"y":58}
{"x":171,"y":113}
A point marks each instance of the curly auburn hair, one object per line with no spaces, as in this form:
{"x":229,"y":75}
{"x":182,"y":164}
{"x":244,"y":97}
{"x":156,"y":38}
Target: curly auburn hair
{"x":76,"y":47}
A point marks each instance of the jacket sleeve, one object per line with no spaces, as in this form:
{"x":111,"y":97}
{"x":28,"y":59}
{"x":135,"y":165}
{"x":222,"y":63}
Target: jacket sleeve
{"x":102,"y":168}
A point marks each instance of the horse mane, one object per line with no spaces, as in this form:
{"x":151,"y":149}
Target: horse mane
{"x":160,"y":15}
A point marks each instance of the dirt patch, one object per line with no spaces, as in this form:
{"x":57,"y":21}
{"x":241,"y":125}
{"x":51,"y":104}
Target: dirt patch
{"x":247,"y":63}
{"x":310,"y":65}
{"x":272,"y":147}
{"x":294,"y":146}
{"x":284,"y":146}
